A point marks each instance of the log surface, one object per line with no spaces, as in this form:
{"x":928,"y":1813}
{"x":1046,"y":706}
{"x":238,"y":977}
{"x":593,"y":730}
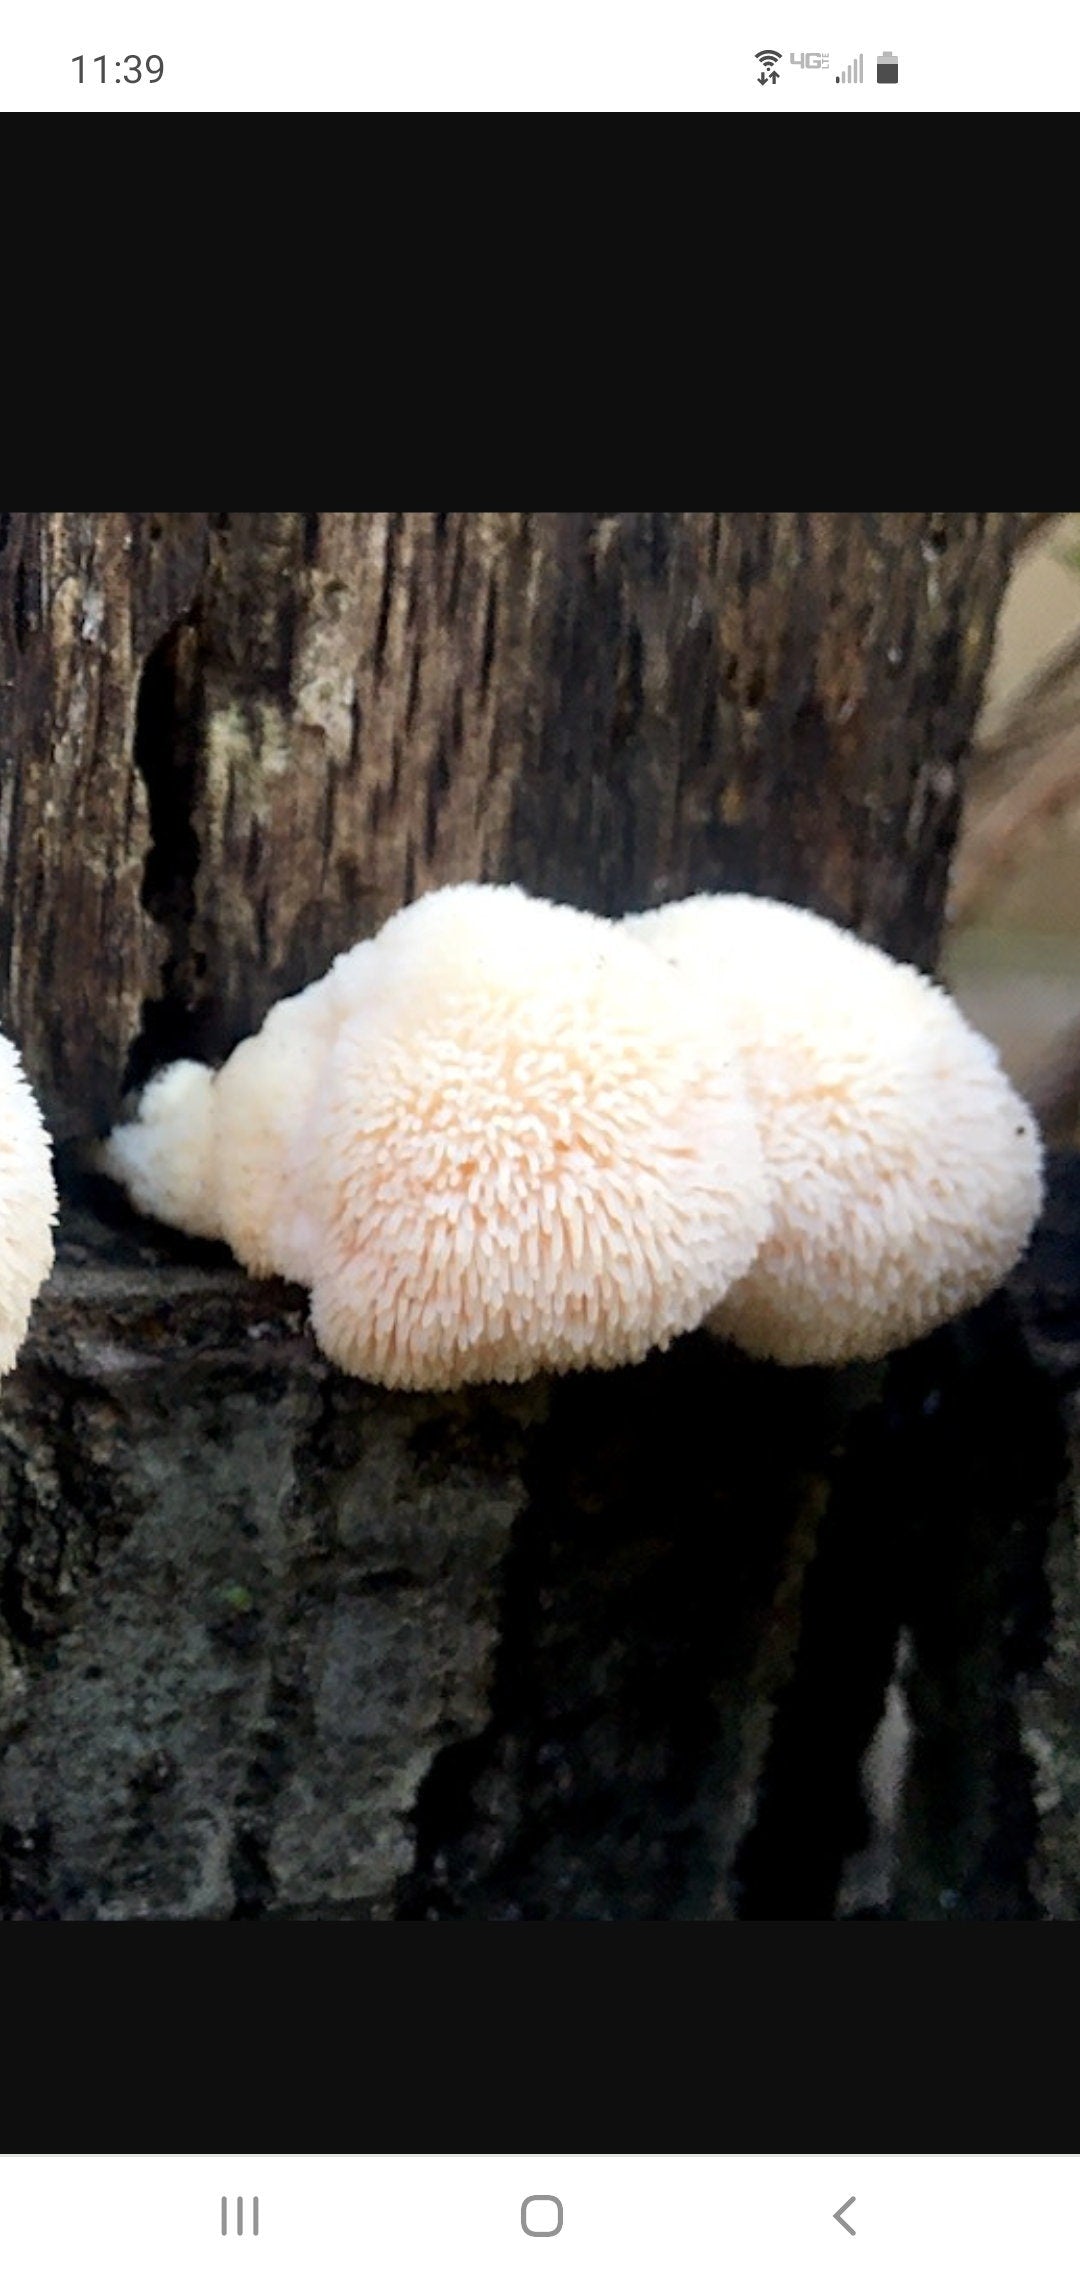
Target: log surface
{"x":697,"y":1639}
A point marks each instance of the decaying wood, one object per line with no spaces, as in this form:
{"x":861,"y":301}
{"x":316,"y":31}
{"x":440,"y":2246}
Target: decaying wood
{"x":84,"y":602}
{"x":274,"y":1642}
{"x":232,"y":744}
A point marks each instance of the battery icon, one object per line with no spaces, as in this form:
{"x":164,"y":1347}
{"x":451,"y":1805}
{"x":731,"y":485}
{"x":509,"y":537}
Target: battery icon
{"x":888,"y":68}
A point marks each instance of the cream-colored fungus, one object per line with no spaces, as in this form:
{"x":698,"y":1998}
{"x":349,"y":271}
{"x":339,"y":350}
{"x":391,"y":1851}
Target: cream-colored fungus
{"x":500,"y":1137}
{"x":27,"y":1203}
{"x":905,"y":1171}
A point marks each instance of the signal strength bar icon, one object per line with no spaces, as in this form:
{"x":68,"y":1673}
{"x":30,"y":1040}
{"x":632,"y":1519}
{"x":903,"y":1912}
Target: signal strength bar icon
{"x":853,"y":76}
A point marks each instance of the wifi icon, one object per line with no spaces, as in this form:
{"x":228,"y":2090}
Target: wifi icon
{"x":768,"y":56}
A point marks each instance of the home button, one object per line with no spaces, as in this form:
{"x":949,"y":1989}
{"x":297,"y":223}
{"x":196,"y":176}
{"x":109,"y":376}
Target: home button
{"x":541,"y":2215}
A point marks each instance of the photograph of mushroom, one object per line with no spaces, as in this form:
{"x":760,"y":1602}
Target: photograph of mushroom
{"x":497,"y":1138}
{"x":27,"y":1203}
{"x":539,"y":1220}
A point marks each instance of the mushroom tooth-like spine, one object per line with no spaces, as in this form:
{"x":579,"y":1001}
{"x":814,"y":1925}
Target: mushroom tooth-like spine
{"x":263,"y":1095}
{"x":27,"y":1203}
{"x":497,"y":1138}
{"x":906,"y":1172}
{"x":528,"y":1149}
{"x":165,"y":1159}
{"x":208,"y":1151}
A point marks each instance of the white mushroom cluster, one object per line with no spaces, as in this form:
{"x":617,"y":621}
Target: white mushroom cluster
{"x":501,"y":1137}
{"x":27,"y":1203}
{"x":505,"y":1136}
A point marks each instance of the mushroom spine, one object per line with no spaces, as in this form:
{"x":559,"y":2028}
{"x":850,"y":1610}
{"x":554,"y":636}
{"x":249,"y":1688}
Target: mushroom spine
{"x":905,"y":1172}
{"x":501,"y":1136}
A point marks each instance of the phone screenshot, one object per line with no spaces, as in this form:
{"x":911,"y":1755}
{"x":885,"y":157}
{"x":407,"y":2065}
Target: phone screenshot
{"x":539,"y":1346}
{"x":484,"y":2216}
{"x":567,"y":58}
{"x":539,"y":1216}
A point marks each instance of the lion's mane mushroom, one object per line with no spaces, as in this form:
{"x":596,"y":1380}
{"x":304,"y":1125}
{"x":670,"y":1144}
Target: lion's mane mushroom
{"x":27,"y":1203}
{"x":906,"y":1173}
{"x":497,"y":1138}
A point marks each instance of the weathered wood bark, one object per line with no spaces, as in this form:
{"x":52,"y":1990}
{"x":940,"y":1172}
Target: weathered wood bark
{"x":275,"y":1642}
{"x":234,"y":743}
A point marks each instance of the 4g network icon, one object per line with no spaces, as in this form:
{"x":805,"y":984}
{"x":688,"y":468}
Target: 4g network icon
{"x":808,"y":60}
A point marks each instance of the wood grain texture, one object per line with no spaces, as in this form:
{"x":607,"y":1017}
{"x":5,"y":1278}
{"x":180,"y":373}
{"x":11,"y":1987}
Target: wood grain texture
{"x":274,"y":1643}
{"x":233,"y":744}
{"x":84,"y":600}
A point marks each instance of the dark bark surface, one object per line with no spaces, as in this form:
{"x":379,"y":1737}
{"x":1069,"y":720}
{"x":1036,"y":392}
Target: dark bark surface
{"x":642,"y":1643}
{"x":232,"y":744}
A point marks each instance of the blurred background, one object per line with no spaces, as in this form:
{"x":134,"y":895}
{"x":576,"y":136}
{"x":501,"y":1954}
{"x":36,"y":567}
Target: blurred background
{"x":1012,"y":949}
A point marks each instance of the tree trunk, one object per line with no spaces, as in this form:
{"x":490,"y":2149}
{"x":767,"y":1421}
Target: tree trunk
{"x":638,"y":1643}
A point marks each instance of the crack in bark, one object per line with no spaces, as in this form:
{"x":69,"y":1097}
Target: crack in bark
{"x":166,"y":756}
